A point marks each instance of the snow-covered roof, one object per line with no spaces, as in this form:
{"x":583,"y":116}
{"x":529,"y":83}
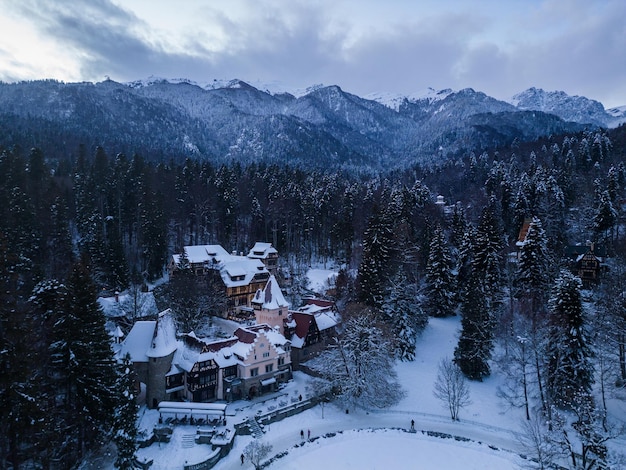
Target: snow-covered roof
{"x":138,"y":341}
{"x":271,"y":297}
{"x":164,"y":341}
{"x":302,"y":321}
{"x":275,"y":337}
{"x":203,"y":253}
{"x":297,"y":342}
{"x":235,"y":270}
{"x":325,"y":320}
{"x":241,"y":267}
{"x":261,"y":250}
{"x":312,"y":308}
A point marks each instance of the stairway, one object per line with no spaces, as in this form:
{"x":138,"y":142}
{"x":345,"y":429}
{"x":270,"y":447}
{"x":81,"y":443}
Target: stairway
{"x":255,"y":429}
{"x":188,"y":441}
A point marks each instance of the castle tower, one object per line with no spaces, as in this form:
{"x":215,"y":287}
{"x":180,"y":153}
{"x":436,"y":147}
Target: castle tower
{"x":270,"y":305}
{"x":160,"y":356}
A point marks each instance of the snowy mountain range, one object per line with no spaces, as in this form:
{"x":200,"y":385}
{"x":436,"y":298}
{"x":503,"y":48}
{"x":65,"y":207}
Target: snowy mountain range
{"x":319,"y":127}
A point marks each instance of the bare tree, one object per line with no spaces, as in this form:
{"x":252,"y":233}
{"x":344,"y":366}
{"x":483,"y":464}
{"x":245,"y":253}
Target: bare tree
{"x":451,"y":387}
{"x":534,"y":439}
{"x":256,"y":452}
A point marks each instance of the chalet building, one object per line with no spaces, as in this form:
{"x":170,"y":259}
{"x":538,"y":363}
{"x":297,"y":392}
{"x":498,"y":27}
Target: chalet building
{"x":587,"y":261}
{"x":267,"y":254}
{"x":252,"y":362}
{"x":241,"y":275}
{"x":310,"y":329}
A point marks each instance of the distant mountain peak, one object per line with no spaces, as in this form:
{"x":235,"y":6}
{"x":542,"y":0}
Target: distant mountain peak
{"x":569,"y":108}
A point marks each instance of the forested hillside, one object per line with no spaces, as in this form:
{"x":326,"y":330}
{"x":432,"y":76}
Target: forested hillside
{"x":324,"y":128}
{"x":97,"y":222}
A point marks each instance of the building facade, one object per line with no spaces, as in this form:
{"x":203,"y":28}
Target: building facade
{"x":255,"y":360}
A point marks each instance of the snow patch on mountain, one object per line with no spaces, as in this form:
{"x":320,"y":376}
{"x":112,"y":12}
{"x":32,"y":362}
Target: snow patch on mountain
{"x":618,"y":116}
{"x":569,"y":108}
{"x":394,"y":100}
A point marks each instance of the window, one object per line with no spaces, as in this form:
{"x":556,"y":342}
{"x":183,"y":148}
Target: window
{"x":269,"y":368}
{"x":254,"y":372}
{"x":266,"y":354}
{"x":230,"y":371}
{"x":281,"y":361}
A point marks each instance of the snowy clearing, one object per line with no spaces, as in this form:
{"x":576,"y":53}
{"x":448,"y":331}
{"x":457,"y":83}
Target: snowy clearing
{"x":386,"y":449}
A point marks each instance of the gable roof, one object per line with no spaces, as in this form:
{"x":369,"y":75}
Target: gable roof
{"x":262,"y":250}
{"x":235,"y":270}
{"x":245,"y":335}
{"x":577,"y":251}
{"x":164,"y":340}
{"x":198,"y":254}
{"x":303,"y":323}
{"x":271,"y":297}
{"x":138,"y":341}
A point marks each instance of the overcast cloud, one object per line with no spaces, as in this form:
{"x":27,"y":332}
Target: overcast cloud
{"x":364,"y":46}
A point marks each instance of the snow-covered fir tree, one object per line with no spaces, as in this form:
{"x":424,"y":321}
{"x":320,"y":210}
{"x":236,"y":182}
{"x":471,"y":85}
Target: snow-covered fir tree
{"x":404,"y":316}
{"x":487,"y":256}
{"x":374,"y":267}
{"x":605,"y":218}
{"x":569,"y":369}
{"x":125,"y":419}
{"x":534,"y":268}
{"x":475,"y":346}
{"x":91,"y":367}
{"x":439,"y":292}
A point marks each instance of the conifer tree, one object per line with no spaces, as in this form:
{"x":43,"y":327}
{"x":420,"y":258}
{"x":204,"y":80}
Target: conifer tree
{"x":569,"y":370}
{"x":48,"y":303}
{"x":606,"y":216}
{"x":374,"y":267}
{"x":153,"y":235}
{"x":475,"y":345}
{"x":439,"y":290}
{"x":125,"y":420}
{"x":91,"y":371}
{"x":533,"y":275}
{"x":487,"y":258}
{"x":403,"y":314}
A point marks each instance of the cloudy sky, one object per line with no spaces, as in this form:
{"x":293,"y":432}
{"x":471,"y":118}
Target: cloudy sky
{"x":499,"y":47}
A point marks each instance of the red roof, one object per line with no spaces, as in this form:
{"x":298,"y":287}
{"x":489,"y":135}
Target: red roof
{"x":245,"y":336}
{"x":320,"y":302}
{"x":303,"y":323}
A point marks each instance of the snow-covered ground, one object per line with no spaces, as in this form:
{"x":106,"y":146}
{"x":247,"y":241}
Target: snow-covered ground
{"x":358,"y":447}
{"x":319,"y":279}
{"x":376,"y":439}
{"x":485,"y":436}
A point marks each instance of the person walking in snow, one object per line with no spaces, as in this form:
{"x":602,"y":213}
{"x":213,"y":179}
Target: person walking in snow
{"x":242,"y":459}
{"x":302,"y":434}
{"x":308,"y":434}
{"x":412,"y":425}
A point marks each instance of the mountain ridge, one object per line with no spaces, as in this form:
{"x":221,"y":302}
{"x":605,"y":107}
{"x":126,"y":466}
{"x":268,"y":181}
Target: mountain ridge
{"x":321,"y":126}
